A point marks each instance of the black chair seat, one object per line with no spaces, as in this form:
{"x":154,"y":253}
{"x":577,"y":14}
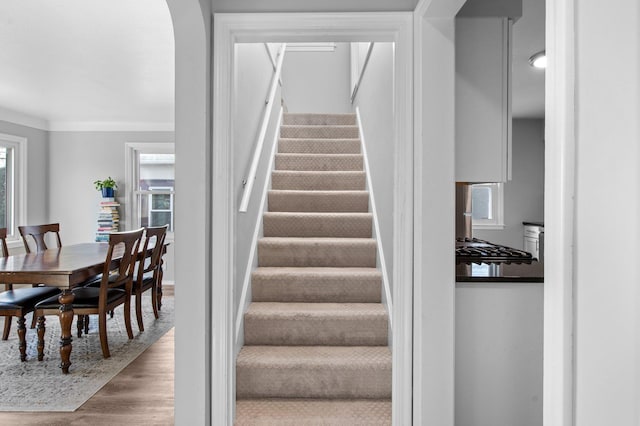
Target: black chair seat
{"x":85,"y":297}
{"x":26,"y":298}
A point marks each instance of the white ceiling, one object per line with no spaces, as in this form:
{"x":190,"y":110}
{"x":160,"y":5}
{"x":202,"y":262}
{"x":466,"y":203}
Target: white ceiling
{"x":528,"y":82}
{"x":87,"y":64}
{"x":106,"y":65}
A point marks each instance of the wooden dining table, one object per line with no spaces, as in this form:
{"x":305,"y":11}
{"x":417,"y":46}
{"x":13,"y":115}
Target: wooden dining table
{"x":65,"y":267}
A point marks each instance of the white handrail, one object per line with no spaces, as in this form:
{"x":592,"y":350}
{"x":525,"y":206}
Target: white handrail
{"x":251,"y":177}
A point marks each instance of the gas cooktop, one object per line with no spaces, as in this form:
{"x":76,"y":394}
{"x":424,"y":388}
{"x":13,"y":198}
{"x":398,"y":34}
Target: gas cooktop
{"x":473,"y":250}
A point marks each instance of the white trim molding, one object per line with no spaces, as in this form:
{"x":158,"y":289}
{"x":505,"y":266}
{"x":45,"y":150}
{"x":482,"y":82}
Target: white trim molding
{"x":23,"y":119}
{"x":558,"y":367}
{"x":434,"y":202}
{"x":229,"y":29}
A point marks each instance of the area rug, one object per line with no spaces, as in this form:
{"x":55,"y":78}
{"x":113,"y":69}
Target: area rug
{"x":41,"y":386}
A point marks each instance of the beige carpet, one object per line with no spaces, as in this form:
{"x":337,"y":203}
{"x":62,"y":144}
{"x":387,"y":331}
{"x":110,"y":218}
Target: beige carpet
{"x":316,"y":333}
{"x":41,"y":386}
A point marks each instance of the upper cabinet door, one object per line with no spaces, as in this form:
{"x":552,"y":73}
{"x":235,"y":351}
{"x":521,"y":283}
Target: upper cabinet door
{"x":483,"y":99}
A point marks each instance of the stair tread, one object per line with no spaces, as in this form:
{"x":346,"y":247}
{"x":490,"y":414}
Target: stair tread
{"x":320,"y":215}
{"x":338,"y":357}
{"x":308,"y":412}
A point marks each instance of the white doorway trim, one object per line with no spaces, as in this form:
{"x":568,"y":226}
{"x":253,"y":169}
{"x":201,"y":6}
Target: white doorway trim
{"x":558,"y":355}
{"x":335,"y":27}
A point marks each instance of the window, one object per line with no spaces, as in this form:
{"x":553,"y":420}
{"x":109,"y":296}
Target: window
{"x":151,"y":184}
{"x":487,"y":206}
{"x":12,"y":183}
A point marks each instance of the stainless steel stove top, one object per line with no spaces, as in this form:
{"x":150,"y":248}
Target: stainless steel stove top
{"x":473,"y":250}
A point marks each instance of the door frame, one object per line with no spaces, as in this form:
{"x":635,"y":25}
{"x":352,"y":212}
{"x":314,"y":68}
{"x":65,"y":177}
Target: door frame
{"x":229,"y":29}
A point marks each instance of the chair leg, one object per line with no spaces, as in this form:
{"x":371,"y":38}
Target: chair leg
{"x":127,"y":317}
{"x":33,"y":322}
{"x":102,"y":326}
{"x":41,"y":330}
{"x":80,"y":325}
{"x":154,"y":301}
{"x":22,"y":332}
{"x":86,"y":324}
{"x":7,"y":327}
{"x":139,"y":311}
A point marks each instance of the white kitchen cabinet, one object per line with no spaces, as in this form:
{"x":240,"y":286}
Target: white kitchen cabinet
{"x":483,"y":99}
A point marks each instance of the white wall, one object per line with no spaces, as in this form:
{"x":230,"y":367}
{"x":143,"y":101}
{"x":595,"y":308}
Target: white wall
{"x":375,"y":102}
{"x":317,"y":81}
{"x":37,"y":170}
{"x":607,"y":208}
{"x":498,"y":354}
{"x":193,"y":343}
{"x":76,"y":159}
{"x":254,"y":72}
{"x":524,"y":194}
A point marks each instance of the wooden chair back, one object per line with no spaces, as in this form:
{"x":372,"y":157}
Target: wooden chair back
{"x":155,"y":235}
{"x":3,"y":242}
{"x":120,"y":275}
{"x":38,"y":233}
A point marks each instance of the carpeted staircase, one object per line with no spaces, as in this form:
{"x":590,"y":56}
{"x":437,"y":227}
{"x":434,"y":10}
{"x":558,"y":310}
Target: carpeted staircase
{"x":316,"y":333}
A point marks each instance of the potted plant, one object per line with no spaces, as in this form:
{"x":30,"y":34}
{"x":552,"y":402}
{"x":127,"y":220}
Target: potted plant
{"x":107,"y":187}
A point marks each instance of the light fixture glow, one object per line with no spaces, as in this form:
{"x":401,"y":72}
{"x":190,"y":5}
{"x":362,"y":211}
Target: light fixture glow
{"x":538,"y":60}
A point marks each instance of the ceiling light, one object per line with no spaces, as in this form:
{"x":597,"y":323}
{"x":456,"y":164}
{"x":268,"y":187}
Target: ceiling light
{"x":538,"y":60}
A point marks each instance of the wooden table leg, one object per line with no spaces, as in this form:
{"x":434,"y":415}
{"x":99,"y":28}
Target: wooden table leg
{"x":66,"y":317}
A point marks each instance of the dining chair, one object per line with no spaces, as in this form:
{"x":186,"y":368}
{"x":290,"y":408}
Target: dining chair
{"x":19,"y":302}
{"x":149,"y":274}
{"x":114,"y":290}
{"x":39,"y":234}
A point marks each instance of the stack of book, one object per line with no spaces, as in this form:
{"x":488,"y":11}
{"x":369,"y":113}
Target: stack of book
{"x":108,"y":219}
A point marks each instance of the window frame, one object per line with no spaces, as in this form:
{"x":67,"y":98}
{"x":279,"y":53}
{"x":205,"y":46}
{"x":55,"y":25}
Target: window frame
{"x":132,"y":177}
{"x":497,"y":207}
{"x":16,"y":186}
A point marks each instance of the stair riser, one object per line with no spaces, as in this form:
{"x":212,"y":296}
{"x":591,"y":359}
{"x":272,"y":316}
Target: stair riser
{"x":316,"y":226}
{"x":318,"y":181}
{"x":318,"y":202}
{"x":332,"y":132}
{"x":301,"y":381}
{"x":341,"y":285}
{"x":319,"y":119}
{"x":319,"y":146}
{"x":319,"y":293}
{"x":292,"y":330}
{"x":351,"y":162}
{"x":302,"y":254}
{"x":317,"y":412}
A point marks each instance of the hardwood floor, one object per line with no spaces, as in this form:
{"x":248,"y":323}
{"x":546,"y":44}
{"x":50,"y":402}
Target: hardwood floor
{"x":142,"y":394}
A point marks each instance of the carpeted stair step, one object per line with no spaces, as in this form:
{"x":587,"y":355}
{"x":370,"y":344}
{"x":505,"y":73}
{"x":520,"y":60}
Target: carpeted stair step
{"x":318,"y":201}
{"x":332,"y":132}
{"x":318,"y":181}
{"x":313,"y":412}
{"x":339,"y":285}
{"x":319,"y":119}
{"x":314,"y":372}
{"x":331,"y":324}
{"x":304,"y":224}
{"x":319,"y":162}
{"x":322,"y":252}
{"x":319,"y":146}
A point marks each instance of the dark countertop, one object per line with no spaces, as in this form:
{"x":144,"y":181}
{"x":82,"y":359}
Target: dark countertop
{"x":538,"y":223}
{"x":500,"y":272}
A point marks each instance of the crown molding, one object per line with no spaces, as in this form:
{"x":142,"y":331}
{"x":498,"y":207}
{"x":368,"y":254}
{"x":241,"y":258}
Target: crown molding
{"x":109,"y":126}
{"x":23,"y":119}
